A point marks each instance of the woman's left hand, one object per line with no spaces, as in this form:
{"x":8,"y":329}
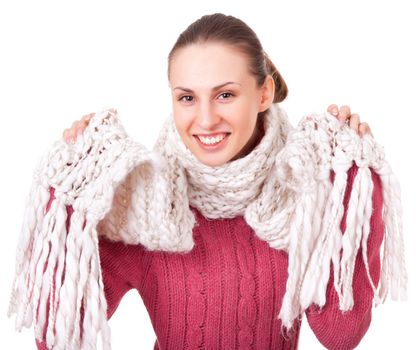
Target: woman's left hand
{"x":344,"y":116}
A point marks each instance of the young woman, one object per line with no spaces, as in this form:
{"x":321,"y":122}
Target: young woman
{"x":251,"y":247}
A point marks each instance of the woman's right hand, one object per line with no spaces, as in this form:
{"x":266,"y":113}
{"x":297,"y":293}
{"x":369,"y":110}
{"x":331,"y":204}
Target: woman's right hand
{"x":70,"y":135}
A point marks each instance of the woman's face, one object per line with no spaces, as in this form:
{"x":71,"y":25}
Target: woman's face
{"x":214,"y":95}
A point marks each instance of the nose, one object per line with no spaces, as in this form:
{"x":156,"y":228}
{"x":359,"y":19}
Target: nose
{"x":207,"y":117}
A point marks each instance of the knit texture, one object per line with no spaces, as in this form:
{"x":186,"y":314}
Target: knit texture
{"x":225,"y":293}
{"x":283,"y":189}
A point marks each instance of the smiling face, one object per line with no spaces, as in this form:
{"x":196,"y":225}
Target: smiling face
{"x":214,"y":95}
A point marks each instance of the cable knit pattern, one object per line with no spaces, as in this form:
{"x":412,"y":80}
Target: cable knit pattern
{"x":197,"y":303}
{"x":230,"y":314}
{"x":289,"y":189}
{"x":246,"y":305}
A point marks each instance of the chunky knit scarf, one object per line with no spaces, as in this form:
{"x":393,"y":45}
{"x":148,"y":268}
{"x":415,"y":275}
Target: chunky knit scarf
{"x":289,"y":188}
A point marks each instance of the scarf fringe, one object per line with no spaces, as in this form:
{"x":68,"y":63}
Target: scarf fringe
{"x":316,"y":238}
{"x":394,"y":277}
{"x":55,"y":264}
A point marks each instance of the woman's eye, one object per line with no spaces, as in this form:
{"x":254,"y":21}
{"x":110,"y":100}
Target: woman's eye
{"x":187,"y":100}
{"x":227,"y":93}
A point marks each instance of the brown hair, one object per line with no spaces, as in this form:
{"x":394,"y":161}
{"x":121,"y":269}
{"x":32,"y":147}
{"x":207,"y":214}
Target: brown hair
{"x":230,"y":30}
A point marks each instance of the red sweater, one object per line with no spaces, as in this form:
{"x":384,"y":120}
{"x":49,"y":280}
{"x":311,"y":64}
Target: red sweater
{"x":227,"y":292}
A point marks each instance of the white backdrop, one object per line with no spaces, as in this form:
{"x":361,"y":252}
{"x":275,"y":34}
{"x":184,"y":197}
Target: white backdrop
{"x":60,"y":60}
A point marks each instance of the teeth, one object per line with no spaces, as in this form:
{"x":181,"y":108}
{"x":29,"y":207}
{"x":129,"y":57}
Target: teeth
{"x":211,"y":140}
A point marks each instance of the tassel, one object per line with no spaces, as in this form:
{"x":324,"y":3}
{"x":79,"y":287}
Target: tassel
{"x":34,"y":217}
{"x":56,"y":259}
{"x":358,"y":217}
{"x":366,"y":232}
{"x":394,"y":275}
{"x":311,"y":285}
{"x":290,"y":305}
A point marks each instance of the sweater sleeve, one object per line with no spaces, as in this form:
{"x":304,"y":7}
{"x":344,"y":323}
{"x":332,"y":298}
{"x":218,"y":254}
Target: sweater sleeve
{"x":334,"y":328}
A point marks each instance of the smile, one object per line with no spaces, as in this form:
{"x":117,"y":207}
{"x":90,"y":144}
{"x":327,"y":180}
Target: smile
{"x":212,"y":143}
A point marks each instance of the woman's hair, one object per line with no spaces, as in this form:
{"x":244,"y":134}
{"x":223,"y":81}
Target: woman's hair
{"x":230,"y":30}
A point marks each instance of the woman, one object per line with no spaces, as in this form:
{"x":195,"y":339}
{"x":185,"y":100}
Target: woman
{"x":257,"y":238}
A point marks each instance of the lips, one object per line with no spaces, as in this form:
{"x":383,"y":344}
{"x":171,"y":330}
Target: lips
{"x":212,"y":135}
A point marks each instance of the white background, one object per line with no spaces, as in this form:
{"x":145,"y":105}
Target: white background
{"x":60,"y":60}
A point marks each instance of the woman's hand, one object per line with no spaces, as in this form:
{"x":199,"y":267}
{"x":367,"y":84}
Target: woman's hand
{"x":70,"y":135}
{"x":344,"y":116}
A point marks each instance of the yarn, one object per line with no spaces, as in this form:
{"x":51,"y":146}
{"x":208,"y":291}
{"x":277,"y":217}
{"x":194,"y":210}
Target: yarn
{"x":289,"y":188}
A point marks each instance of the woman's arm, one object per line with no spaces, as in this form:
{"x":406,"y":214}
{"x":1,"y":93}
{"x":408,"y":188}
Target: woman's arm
{"x":344,"y":330}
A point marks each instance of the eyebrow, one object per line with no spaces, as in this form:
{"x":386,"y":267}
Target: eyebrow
{"x":213,"y":89}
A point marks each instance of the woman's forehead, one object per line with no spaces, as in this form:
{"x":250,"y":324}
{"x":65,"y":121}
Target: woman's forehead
{"x":207,"y":66}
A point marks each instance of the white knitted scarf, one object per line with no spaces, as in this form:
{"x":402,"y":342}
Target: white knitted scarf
{"x":119,"y":189}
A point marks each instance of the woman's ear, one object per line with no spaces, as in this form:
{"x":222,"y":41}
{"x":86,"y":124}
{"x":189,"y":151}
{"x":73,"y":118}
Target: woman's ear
{"x":267,"y":93}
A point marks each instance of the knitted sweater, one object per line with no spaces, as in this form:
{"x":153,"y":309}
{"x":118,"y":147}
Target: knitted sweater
{"x":226,"y":292}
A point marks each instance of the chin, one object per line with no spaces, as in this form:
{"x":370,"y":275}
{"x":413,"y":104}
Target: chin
{"x":213,"y":161}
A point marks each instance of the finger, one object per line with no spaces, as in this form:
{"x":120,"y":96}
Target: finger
{"x":83,"y":124}
{"x":354,"y":121}
{"x":79,"y":130}
{"x":82,"y":127}
{"x":68,"y":135}
{"x":72,"y":134}
{"x":65,"y":135}
{"x":74,"y":124}
{"x":333,"y":109}
{"x":87,"y":117}
{"x":364,"y":129}
{"x":344,"y":114}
